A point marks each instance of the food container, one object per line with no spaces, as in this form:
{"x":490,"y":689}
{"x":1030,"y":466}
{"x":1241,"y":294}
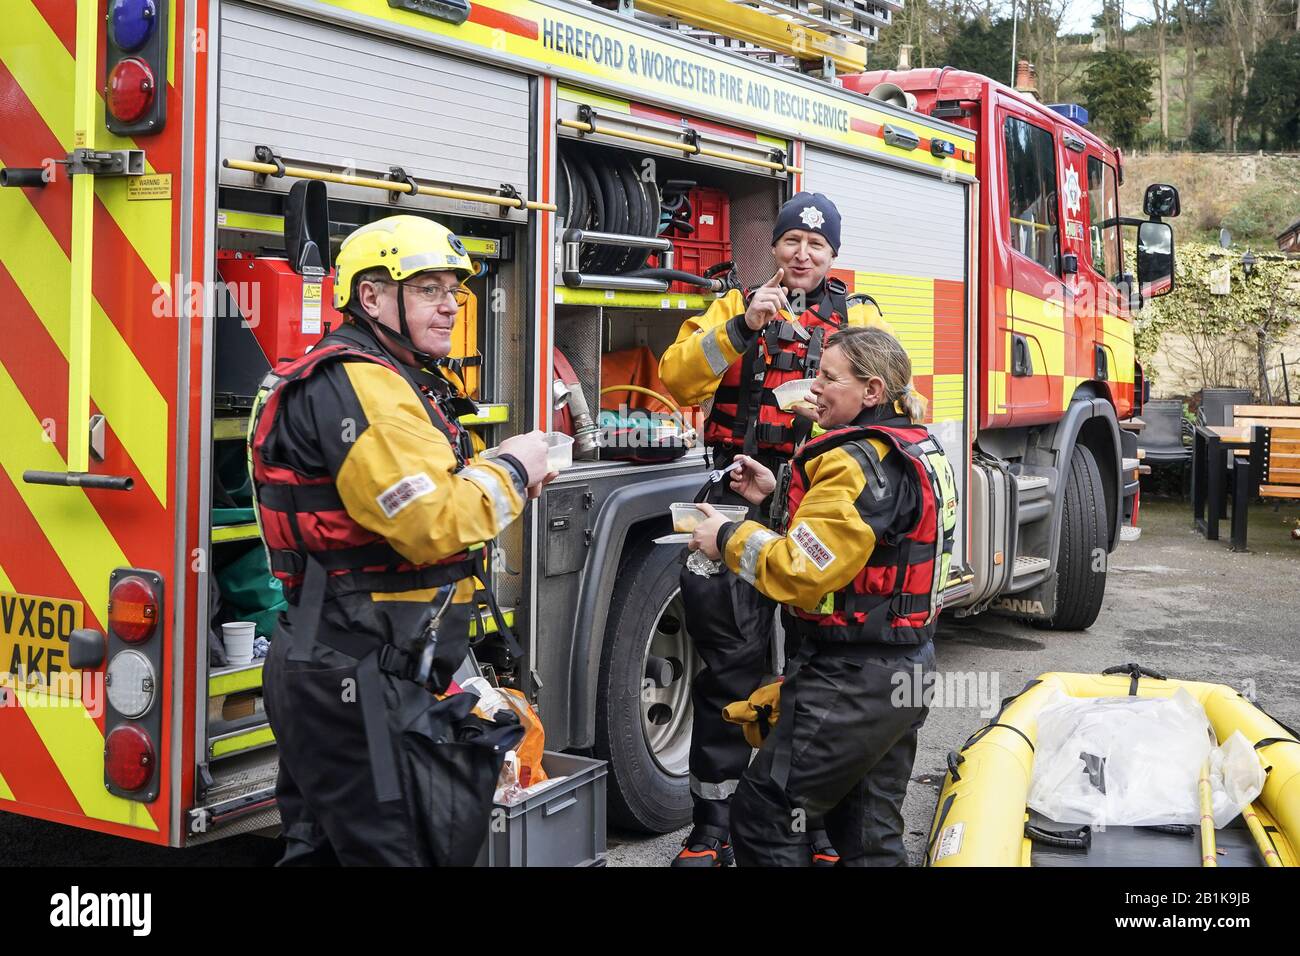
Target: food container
{"x":792,"y":393}
{"x":686,"y":516}
{"x":559,"y":451}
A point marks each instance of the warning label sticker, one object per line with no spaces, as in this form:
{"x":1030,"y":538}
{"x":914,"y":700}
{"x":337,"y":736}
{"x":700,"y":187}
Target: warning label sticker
{"x":811,"y":545}
{"x":152,"y":186}
{"x":949,"y":842}
{"x":311,"y":299}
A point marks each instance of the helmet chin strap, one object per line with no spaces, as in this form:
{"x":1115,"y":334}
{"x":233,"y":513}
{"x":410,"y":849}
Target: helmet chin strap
{"x":402,"y":337}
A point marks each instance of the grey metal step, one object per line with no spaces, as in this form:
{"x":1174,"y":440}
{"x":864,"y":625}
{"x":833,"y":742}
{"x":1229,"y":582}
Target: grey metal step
{"x":240,"y":800}
{"x":1129,"y":533}
{"x":263,"y":821}
{"x":1028,"y":565}
{"x":241,"y":775}
{"x":1030,"y":483}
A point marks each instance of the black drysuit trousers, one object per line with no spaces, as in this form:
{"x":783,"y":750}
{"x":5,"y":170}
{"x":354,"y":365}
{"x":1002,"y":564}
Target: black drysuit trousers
{"x":838,"y":759}
{"x":732,"y":626}
{"x":331,"y":810}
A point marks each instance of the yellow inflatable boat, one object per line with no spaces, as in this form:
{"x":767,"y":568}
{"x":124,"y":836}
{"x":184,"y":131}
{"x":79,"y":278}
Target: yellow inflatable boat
{"x":982,"y":819}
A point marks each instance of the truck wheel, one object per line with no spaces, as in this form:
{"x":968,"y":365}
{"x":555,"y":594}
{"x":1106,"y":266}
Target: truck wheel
{"x":1079,"y":585}
{"x":643,"y":698}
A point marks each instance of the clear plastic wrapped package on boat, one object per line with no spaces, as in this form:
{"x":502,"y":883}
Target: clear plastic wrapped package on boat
{"x":1135,"y":761}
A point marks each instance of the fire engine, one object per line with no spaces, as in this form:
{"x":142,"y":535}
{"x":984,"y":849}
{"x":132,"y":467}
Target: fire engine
{"x":177,"y":176}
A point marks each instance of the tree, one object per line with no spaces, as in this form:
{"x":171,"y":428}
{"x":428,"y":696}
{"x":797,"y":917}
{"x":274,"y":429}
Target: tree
{"x":1162,"y":11}
{"x":1189,"y":20}
{"x":1206,"y":137}
{"x":981,"y":48}
{"x":1247,"y":24}
{"x":1111,"y":19}
{"x":1040,"y":28}
{"x":1273,"y":98}
{"x":1116,"y":88}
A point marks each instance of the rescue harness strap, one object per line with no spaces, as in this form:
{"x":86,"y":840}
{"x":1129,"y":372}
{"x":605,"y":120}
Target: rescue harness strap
{"x":305,"y":618}
{"x":754,"y":367}
{"x":507,"y":635}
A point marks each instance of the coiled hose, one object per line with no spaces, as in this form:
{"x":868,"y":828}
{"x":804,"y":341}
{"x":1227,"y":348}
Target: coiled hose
{"x":668,"y":402}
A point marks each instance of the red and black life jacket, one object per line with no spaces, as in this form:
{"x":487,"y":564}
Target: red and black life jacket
{"x":896,"y":597}
{"x":745,"y":414}
{"x":302,"y":516}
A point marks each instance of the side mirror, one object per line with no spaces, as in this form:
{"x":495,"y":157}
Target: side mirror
{"x":1160,"y":201}
{"x":1155,"y":259}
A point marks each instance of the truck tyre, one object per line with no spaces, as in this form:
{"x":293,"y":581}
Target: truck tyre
{"x":1079,"y":585}
{"x":644,"y":729}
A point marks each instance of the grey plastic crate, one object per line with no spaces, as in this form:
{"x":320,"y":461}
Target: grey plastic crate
{"x":563,"y":825}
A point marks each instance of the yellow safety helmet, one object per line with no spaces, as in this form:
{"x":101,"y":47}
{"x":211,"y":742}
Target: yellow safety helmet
{"x":404,"y":245}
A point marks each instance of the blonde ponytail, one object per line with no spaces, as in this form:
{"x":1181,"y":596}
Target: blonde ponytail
{"x":874,"y":353}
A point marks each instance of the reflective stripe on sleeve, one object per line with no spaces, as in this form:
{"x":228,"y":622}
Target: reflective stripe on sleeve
{"x":713,"y":350}
{"x":749,"y":554}
{"x":489,"y":482}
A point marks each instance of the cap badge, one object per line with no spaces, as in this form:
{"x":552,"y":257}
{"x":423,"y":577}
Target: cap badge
{"x":812,"y":217}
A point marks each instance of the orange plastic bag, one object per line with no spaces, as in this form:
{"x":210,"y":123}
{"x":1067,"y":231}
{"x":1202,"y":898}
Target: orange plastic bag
{"x":530,"y":749}
{"x":635,"y":366}
{"x":639,"y":366}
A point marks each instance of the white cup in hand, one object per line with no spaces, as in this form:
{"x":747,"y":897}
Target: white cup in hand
{"x":530,"y":451}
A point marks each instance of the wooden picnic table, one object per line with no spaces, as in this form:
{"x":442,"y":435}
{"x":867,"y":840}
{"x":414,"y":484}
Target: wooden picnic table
{"x":1210,"y":447}
{"x":1262,"y":448}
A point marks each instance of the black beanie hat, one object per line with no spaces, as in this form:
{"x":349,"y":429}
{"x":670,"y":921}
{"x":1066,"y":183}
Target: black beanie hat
{"x":813,"y":212}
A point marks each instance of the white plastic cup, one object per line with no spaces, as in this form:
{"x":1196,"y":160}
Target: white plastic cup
{"x":559,"y":451}
{"x":238,"y":637}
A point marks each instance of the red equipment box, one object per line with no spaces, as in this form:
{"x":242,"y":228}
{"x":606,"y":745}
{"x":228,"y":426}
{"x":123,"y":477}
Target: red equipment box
{"x":286,"y":313}
{"x":710,"y":215}
{"x":710,"y":243}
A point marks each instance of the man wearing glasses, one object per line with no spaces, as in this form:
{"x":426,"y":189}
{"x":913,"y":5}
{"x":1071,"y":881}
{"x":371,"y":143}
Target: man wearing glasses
{"x":375,"y":518}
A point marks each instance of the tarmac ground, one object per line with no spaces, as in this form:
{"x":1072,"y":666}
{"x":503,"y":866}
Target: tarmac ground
{"x":1176,"y":603}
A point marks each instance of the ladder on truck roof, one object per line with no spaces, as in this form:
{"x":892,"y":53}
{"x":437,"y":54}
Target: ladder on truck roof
{"x":807,"y":34}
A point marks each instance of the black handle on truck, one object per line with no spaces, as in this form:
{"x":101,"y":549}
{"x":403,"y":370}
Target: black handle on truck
{"x":80,"y":479}
{"x":25,"y":177}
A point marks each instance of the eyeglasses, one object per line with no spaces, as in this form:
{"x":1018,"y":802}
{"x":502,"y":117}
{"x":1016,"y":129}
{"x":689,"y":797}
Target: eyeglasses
{"x":434,"y":293}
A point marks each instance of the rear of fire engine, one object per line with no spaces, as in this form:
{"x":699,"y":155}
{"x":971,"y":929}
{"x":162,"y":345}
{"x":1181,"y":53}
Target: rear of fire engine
{"x":96,"y":479}
{"x":181,"y":174}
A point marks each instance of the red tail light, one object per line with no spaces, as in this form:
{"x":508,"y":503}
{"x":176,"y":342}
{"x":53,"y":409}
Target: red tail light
{"x":130,"y":89}
{"x":132,"y":609}
{"x":128,"y":757}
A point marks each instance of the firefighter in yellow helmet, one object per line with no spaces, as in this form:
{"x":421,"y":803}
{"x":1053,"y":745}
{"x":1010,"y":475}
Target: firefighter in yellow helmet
{"x":375,"y":519}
